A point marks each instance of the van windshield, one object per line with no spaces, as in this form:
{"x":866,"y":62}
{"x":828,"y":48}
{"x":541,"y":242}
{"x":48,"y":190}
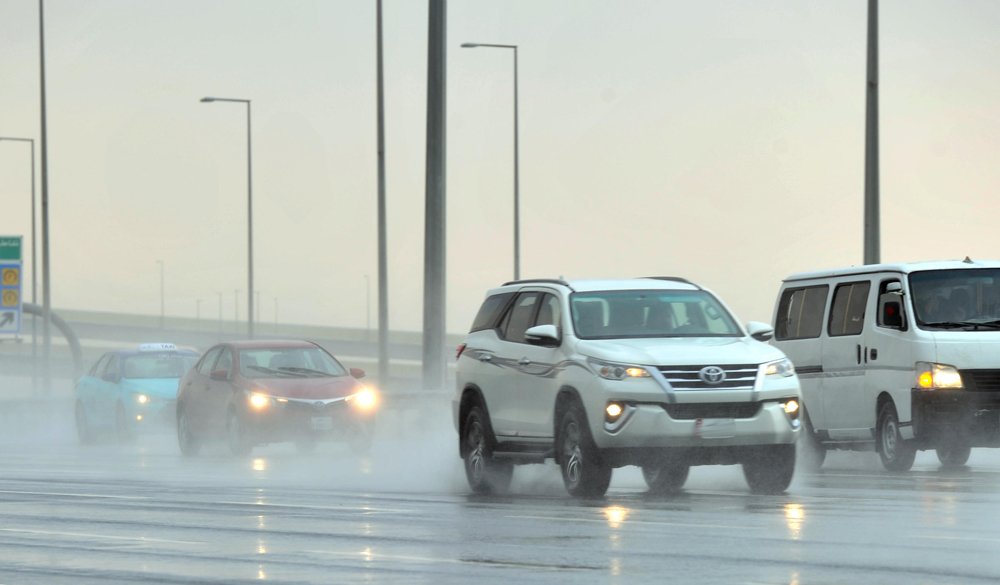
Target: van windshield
{"x":963,"y":300}
{"x":650,"y":313}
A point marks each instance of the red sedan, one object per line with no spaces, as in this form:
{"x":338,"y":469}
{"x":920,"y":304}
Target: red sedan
{"x":252,"y":393}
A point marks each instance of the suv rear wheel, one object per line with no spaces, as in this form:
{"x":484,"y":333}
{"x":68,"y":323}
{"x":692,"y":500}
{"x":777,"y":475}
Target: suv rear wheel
{"x":486,"y":475}
{"x":584,"y":472}
{"x":665,"y":477}
{"x":769,"y":468}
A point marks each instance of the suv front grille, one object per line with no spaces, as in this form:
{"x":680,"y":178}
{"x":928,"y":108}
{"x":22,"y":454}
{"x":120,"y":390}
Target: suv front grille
{"x":738,"y":377}
{"x":712,"y":410}
{"x":981,"y":380}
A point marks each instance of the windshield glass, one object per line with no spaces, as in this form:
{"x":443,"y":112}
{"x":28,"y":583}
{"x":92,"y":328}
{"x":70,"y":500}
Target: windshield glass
{"x":289,"y":362}
{"x":139,"y":367}
{"x":650,"y":313}
{"x":956,"y":299}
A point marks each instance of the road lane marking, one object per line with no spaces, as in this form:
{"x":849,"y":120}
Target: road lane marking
{"x":106,"y":536}
{"x":370,"y":556}
{"x":74,"y":495}
{"x":650,"y":522}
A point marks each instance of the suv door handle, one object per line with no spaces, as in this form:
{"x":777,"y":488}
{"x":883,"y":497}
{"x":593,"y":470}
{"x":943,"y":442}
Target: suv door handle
{"x":524,"y":361}
{"x":486,"y":357}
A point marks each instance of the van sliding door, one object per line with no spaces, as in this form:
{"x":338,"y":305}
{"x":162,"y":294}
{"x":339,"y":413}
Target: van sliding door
{"x":843,"y":362}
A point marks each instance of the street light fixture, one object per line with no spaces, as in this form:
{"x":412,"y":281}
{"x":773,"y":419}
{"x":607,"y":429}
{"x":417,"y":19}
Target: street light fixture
{"x":34,"y":277}
{"x":517,"y":176}
{"x":250,"y":288}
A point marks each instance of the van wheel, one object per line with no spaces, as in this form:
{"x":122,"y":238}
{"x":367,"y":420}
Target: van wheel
{"x":769,"y":468}
{"x":486,"y":475}
{"x":954,"y":453}
{"x":584,"y":472}
{"x":188,"y":442}
{"x":239,"y":443}
{"x":665,"y":477}
{"x":125,"y":434}
{"x":896,"y":454}
{"x":813,"y":451}
{"x":83,"y":431}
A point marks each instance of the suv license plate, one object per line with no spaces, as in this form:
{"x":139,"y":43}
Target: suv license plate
{"x":322,"y":423}
{"x":715,"y":428}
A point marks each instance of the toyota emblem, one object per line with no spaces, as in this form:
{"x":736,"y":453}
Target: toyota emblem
{"x":318,"y":404}
{"x":712,"y":375}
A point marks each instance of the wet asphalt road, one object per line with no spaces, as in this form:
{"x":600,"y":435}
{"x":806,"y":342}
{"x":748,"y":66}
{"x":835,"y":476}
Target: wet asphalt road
{"x":141,"y":513}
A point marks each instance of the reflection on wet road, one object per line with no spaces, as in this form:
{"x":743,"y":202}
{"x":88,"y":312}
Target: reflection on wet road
{"x":141,"y":513}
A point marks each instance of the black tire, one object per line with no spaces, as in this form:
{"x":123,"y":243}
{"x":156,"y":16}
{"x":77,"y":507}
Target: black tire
{"x":896,"y":454}
{"x":486,"y":475}
{"x":954,"y":453}
{"x":237,"y":436}
{"x":769,"y":468}
{"x":186,"y":439}
{"x":122,"y":430}
{"x":813,"y":452}
{"x":83,"y":431}
{"x":584,"y":471}
{"x":665,"y":477}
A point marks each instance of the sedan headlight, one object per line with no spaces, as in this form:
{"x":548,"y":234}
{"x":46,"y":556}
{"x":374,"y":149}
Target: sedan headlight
{"x":610,"y":371}
{"x":782,"y":367}
{"x":364,"y":399}
{"x":259,"y":401}
{"x":937,"y":376}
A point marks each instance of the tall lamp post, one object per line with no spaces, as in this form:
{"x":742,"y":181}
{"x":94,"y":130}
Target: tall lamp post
{"x":162,"y":302}
{"x":250,"y":288}
{"x":34,"y":264}
{"x":517,"y":176}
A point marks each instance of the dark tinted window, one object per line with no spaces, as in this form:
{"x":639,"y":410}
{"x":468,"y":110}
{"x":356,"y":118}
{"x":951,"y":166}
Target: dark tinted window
{"x":225,"y":362}
{"x":520,"y":316}
{"x":206,"y":364}
{"x":800,"y":313}
{"x":489,"y":313}
{"x":847,"y":314}
{"x":157,"y":366}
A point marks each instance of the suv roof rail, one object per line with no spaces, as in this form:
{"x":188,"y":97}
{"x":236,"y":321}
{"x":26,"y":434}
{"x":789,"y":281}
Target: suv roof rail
{"x":542,"y":280}
{"x":673,"y":279}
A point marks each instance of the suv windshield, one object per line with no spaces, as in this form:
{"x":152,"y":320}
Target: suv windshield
{"x":145,"y":367}
{"x":956,"y":299}
{"x":650,"y":313}
{"x":289,"y":362}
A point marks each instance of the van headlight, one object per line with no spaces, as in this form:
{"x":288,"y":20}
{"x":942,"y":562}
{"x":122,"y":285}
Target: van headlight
{"x":937,"y":376}
{"x":610,"y":371}
{"x":782,"y":367}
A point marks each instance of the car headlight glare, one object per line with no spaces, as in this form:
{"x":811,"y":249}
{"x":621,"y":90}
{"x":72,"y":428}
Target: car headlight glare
{"x":364,"y":399}
{"x":782,"y":367}
{"x":141,"y":398}
{"x":259,"y":400}
{"x":614,"y":411}
{"x":792,"y":407}
{"x":610,"y":371}
{"x":937,"y":376}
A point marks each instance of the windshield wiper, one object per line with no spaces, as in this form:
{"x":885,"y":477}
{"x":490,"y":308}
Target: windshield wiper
{"x":297,"y":370}
{"x":269,"y":370}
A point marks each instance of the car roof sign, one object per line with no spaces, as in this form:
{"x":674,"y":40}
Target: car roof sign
{"x":157,"y":347}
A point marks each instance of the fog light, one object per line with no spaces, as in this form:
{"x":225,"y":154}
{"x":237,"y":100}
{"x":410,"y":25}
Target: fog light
{"x":792,"y":406}
{"x":614,"y":410}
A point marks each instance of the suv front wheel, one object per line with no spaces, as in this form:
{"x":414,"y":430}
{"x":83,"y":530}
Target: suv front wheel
{"x":485,"y":474}
{"x":584,"y":472}
{"x":769,"y":468}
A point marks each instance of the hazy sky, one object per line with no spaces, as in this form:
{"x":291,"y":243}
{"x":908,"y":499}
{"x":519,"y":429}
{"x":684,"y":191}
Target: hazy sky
{"x":722,"y":141}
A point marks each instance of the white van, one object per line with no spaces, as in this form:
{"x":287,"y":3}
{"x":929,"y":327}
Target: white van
{"x":896,"y":357}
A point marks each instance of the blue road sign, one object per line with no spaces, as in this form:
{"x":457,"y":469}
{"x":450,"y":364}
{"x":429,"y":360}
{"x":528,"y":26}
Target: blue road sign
{"x":10,"y":298}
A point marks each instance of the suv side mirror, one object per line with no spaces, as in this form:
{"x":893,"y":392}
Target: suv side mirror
{"x":357,"y":373}
{"x":219,"y":375}
{"x":545,"y":335}
{"x":110,"y":377}
{"x":760,"y":331}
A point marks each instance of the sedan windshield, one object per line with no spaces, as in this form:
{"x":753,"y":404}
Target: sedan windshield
{"x":650,"y":313}
{"x":146,"y":367}
{"x":964,"y":300}
{"x":289,"y":362}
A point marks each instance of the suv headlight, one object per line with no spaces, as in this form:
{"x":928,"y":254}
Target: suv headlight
{"x":937,"y":376}
{"x":611,"y":371}
{"x":782,"y":367}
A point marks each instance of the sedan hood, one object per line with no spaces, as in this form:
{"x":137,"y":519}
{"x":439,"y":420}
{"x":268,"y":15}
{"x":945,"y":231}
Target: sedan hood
{"x":165,"y":388}
{"x":306,"y":388}
{"x":680,"y":351}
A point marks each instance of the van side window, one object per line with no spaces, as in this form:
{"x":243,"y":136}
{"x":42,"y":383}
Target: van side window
{"x":847,"y":314}
{"x":800,"y":313}
{"x":890,"y":307}
{"x":489,"y":313}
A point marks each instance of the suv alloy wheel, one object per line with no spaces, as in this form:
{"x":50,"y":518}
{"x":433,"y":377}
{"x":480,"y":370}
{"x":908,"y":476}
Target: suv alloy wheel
{"x":486,"y":475}
{"x":584,"y":473}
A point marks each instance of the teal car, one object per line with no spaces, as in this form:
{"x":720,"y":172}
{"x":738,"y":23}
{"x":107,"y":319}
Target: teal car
{"x":130,"y":391}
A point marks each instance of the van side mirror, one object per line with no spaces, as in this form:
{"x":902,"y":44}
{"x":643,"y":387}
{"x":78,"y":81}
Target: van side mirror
{"x":890,"y":311}
{"x":544,"y":335}
{"x":357,"y":373}
{"x":760,"y":331}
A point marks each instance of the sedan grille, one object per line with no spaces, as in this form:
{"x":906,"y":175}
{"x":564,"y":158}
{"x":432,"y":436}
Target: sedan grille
{"x":712,"y":410}
{"x":981,"y":380}
{"x":737,"y":377}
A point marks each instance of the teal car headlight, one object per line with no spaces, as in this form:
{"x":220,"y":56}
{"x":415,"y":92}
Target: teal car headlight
{"x":143,"y":399}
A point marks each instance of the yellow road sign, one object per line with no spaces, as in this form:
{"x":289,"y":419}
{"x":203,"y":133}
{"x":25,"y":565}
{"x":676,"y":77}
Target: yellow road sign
{"x":9,"y":299}
{"x":10,"y":277}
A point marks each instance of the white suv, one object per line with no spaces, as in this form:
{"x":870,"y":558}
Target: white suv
{"x":600,"y":374}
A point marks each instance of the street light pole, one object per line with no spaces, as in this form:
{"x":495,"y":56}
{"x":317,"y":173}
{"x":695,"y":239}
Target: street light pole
{"x":872,"y":221}
{"x":34,"y":269}
{"x":383,"y":261}
{"x":517,"y":158}
{"x":197,"y":314}
{"x":220,"y":314}
{"x":46,"y":288}
{"x":368,"y":308}
{"x":162,"y":302}
{"x":250,"y":288}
